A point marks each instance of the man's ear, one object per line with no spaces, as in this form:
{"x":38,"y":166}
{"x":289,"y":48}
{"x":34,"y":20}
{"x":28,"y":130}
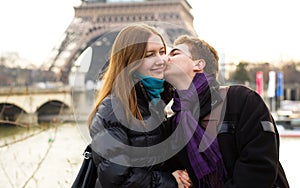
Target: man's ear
{"x":200,"y":64}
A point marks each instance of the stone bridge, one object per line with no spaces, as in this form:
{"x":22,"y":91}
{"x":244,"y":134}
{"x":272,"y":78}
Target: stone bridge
{"x":28,"y":105}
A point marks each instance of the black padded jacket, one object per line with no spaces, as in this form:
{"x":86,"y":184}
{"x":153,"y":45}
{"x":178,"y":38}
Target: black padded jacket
{"x":122,"y":153}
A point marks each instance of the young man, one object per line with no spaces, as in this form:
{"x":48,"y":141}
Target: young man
{"x":244,"y":151}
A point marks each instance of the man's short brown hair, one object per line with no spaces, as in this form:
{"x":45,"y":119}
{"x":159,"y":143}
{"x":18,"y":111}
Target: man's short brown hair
{"x":200,"y":49}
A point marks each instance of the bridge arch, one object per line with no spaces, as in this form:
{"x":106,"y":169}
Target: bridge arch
{"x":48,"y":98}
{"x":51,"y":109}
{"x":10,"y":112}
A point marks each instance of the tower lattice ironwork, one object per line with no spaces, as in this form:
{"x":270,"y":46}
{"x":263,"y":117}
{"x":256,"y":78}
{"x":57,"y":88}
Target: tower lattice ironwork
{"x":94,"y":19}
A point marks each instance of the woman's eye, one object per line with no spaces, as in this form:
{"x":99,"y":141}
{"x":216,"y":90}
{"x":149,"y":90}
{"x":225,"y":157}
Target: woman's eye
{"x":149,"y":55}
{"x":162,"y":52}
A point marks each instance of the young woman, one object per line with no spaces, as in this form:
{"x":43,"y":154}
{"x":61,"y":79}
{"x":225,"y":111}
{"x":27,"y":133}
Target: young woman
{"x":128,"y":119}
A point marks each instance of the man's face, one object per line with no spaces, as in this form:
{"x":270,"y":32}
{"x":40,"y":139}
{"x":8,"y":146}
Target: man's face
{"x":179,"y":63}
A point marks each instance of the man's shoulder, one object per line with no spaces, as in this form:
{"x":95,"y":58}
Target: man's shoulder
{"x":237,"y":95}
{"x":240,"y":90}
{"x":240,"y":87}
{"x":240,"y":95}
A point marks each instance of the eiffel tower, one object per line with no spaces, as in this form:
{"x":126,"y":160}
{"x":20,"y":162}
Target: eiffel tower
{"x":95,"y":23}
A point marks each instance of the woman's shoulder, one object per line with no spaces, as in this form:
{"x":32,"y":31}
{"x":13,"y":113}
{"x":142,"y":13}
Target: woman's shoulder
{"x":105,"y":117}
{"x":105,"y":107}
{"x":109,"y":108}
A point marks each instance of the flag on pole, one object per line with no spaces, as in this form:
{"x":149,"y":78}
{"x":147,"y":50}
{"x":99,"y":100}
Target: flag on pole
{"x":259,"y":83}
{"x":279,"y":92}
{"x":271,"y":85}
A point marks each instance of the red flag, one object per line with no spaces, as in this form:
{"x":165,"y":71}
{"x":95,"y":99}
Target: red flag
{"x":259,"y":82}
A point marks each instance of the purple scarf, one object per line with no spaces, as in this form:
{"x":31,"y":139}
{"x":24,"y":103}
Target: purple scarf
{"x":207,"y":163}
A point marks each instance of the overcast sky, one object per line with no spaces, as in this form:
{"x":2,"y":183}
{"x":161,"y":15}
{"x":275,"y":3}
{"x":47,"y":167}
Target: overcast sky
{"x":253,"y":30}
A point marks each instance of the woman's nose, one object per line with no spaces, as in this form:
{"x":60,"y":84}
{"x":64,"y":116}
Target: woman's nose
{"x":163,"y":59}
{"x":167,"y":59}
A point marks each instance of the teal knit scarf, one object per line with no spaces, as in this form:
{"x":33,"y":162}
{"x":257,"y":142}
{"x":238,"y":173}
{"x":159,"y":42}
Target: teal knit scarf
{"x":153,"y":86}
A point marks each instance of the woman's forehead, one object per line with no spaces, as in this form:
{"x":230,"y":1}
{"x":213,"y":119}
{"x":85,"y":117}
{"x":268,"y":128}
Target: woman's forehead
{"x":154,"y":39}
{"x":154,"y":42}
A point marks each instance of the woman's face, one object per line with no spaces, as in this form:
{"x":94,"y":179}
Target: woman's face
{"x":154,"y":63}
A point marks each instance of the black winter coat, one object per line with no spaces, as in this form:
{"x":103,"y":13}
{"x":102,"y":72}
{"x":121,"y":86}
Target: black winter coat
{"x":114,"y":143}
{"x":248,"y":141}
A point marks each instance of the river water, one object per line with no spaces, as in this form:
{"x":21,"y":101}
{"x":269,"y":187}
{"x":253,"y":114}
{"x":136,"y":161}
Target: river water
{"x":51,"y":155}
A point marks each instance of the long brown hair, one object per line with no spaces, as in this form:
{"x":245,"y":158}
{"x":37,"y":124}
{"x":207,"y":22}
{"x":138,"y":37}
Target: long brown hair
{"x":128,"y":50}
